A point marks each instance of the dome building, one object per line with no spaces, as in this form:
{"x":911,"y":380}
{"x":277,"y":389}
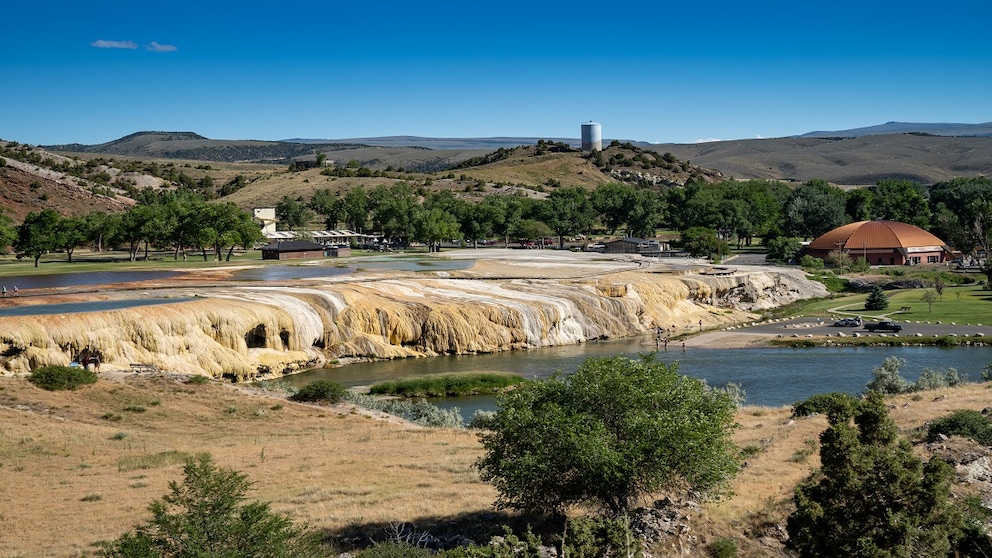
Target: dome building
{"x":881,"y":243}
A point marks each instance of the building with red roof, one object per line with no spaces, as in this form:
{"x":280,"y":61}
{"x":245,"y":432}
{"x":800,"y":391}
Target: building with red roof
{"x":881,"y":243}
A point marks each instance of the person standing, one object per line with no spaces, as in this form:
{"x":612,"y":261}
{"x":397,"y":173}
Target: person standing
{"x":15,"y":290}
{"x":3,"y":289}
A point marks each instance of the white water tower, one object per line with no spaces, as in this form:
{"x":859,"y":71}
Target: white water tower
{"x":592,"y":136}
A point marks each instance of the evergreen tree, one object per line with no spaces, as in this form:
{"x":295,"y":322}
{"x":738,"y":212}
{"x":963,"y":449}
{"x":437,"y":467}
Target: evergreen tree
{"x":877,"y":299}
{"x":872,"y":496}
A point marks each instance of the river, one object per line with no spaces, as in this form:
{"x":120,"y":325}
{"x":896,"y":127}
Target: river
{"x":770,"y":376}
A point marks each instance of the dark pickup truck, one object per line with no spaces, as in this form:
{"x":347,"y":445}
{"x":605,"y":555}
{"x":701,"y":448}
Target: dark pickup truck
{"x":884,"y":325}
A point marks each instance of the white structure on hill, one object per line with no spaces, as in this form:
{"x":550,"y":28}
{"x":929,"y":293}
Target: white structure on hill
{"x":592,"y":137}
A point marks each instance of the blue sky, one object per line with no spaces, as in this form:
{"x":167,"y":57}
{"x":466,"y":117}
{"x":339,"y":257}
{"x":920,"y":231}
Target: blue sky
{"x":91,"y":72}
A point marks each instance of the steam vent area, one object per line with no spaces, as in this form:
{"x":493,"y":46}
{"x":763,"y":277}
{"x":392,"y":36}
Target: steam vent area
{"x":209,"y":323}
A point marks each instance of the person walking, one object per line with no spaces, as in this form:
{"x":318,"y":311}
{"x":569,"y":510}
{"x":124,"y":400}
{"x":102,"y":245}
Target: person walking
{"x":3,"y":289}
{"x":15,"y":290}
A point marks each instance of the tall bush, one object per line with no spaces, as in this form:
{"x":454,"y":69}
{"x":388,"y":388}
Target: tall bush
{"x":872,"y":496}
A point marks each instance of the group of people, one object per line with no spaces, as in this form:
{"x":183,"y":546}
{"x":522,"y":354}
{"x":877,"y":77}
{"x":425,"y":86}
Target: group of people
{"x":661,"y":337}
{"x":3,"y":290}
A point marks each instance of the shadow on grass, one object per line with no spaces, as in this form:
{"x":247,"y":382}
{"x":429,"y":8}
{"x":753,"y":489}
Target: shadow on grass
{"x":443,"y":532}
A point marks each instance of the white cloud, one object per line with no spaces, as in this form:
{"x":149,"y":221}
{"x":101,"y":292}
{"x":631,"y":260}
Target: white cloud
{"x":707,"y":140}
{"x":114,"y":44}
{"x":155,"y":47}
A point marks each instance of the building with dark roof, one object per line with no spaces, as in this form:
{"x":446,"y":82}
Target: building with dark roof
{"x":293,"y":249}
{"x":632,"y":245}
{"x":881,"y":243}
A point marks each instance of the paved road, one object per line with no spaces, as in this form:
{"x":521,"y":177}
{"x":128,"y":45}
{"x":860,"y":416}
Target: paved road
{"x":803,"y":326}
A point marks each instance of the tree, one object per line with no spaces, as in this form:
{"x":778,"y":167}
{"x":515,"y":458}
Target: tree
{"x":433,"y":226}
{"x":929,"y":296}
{"x":782,"y":249}
{"x":71,"y":232}
{"x":876,"y":299}
{"x":701,"y":241}
{"x":206,"y":516}
{"x":872,"y":496}
{"x":8,"y":232}
{"x":567,"y":211}
{"x":355,"y":207}
{"x":840,"y":259}
{"x":616,"y":430}
{"x":38,"y":234}
{"x":328,"y":206}
{"x":504,"y":213}
{"x":814,"y":208}
{"x":292,"y":214}
{"x":613,"y":202}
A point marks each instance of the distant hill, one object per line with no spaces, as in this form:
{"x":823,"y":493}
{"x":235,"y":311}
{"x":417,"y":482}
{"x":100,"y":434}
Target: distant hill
{"x":443,"y":143}
{"x":847,"y":161}
{"x":926,"y":153}
{"x":936,"y":129}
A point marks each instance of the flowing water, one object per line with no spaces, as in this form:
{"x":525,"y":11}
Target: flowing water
{"x":769,"y":376}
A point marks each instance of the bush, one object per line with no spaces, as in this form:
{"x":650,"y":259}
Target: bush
{"x":321,"y":390}
{"x":834,"y":403}
{"x":811,"y":263}
{"x":722,"y":548}
{"x":56,"y":377}
{"x":206,"y":516}
{"x":420,"y":412}
{"x":393,"y":550}
{"x":591,"y":538}
{"x":964,"y":423}
{"x":941,"y":378}
{"x":443,"y":385}
{"x":888,"y":380}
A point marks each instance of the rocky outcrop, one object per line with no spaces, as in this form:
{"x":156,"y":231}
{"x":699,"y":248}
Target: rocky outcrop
{"x":250,"y":332}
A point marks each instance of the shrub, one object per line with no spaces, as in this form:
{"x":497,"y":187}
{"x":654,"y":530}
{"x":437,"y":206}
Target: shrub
{"x":482,"y":420}
{"x":854,"y":506}
{"x":811,"y":263}
{"x":56,"y":377}
{"x":207,"y":515}
{"x":941,"y":378}
{"x":722,"y":548}
{"x":321,"y":390}
{"x":965,"y":423}
{"x":420,"y":412}
{"x":600,"y":537}
{"x":887,"y":379}
{"x":834,"y":403}
{"x":393,"y":550}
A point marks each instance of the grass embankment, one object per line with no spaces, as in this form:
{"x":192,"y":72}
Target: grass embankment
{"x":447,"y":385}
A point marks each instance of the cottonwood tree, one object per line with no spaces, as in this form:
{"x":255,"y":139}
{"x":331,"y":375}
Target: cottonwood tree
{"x":872,"y":496}
{"x":616,"y":430}
{"x":38,"y":234}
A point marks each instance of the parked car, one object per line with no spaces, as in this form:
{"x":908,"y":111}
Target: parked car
{"x":884,"y":325}
{"x":848,"y":322}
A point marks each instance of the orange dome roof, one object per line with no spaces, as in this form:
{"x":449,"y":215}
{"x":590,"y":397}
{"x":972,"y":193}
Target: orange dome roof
{"x":875,"y":235}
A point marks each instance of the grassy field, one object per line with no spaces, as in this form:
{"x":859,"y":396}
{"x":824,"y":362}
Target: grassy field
{"x":962,"y":304}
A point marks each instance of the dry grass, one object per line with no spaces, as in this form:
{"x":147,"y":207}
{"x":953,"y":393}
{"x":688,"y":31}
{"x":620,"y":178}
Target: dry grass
{"x":79,"y":469}
{"x":71,"y":479}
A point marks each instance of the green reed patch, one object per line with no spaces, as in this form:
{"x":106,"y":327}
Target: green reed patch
{"x":447,"y":385}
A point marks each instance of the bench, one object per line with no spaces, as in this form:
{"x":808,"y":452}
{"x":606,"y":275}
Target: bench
{"x":139,"y":367}
{"x":905,"y":309}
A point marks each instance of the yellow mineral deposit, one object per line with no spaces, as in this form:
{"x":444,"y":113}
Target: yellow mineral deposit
{"x":250,"y":332}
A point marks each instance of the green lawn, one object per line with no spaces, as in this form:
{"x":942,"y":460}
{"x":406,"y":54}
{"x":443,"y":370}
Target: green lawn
{"x":964,"y":304}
